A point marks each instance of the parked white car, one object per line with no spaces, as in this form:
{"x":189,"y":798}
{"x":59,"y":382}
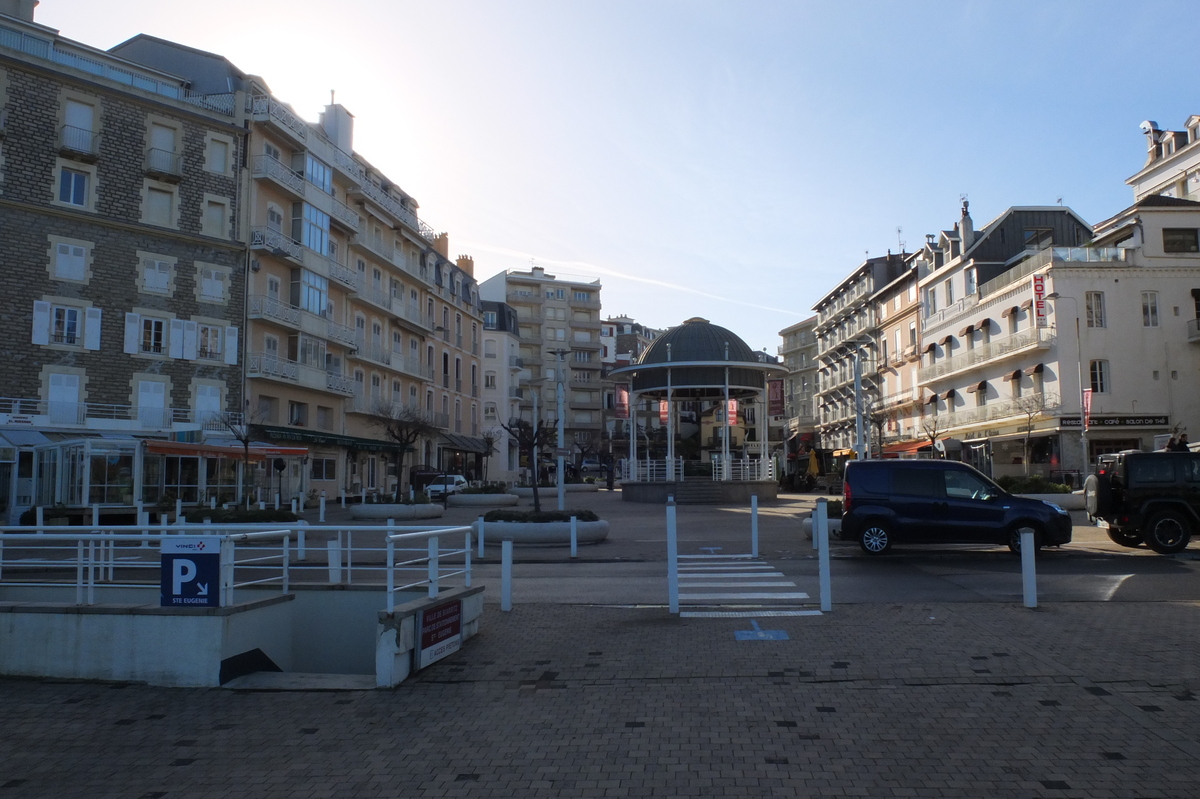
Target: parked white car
{"x":445,"y":484}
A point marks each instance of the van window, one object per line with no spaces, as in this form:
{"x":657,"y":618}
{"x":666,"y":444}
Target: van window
{"x":964,"y":485}
{"x":872,"y":481}
{"x":917,"y":482}
{"x":1152,"y":470}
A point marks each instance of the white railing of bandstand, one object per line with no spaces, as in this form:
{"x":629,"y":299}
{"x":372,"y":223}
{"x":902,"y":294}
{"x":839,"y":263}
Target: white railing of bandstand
{"x":744,"y":469}
{"x":109,"y":556}
{"x":652,"y":471}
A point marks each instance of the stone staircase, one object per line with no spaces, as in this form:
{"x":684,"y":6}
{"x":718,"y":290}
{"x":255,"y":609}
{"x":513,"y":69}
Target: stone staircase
{"x":698,"y":492}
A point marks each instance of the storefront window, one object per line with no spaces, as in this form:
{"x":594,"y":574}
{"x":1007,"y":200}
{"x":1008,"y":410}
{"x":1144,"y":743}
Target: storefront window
{"x":221,"y":479}
{"x":181,"y":478}
{"x":111,"y":479}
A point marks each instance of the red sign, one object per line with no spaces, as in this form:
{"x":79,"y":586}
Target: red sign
{"x":732,"y":417}
{"x":775,"y":397}
{"x":664,"y":412}
{"x":1087,"y":408}
{"x":1039,"y":299}
{"x":440,"y":631}
{"x":621,"y":397}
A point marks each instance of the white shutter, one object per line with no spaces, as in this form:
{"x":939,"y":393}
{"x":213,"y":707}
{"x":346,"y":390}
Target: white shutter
{"x":133,"y":329}
{"x":190,"y":335}
{"x":91,"y":329}
{"x":175,"y":344}
{"x":41,"y":322}
{"x":231,"y":346}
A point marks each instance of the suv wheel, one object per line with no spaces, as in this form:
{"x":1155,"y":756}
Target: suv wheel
{"x":1014,"y":538}
{"x":1168,"y":532}
{"x":1125,"y":539}
{"x":875,"y":538}
{"x":1097,"y":494}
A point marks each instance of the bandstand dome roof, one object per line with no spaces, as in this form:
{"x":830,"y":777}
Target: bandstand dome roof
{"x":693,"y":358}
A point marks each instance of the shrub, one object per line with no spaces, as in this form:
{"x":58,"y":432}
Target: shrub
{"x":239,"y":516}
{"x":1034,"y":484}
{"x":486,"y":488}
{"x":834,"y":508}
{"x":508,"y":515}
{"x":29,"y":517}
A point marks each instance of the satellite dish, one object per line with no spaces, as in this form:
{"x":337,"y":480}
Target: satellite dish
{"x":939,"y":445}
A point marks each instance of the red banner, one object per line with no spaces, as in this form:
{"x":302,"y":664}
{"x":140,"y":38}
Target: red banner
{"x":1087,"y":408}
{"x":621,"y":401}
{"x":732,"y":418}
{"x":664,"y":412}
{"x":775,"y":397}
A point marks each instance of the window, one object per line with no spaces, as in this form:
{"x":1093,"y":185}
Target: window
{"x":271,"y":151}
{"x":1038,"y":238}
{"x":209,"y":342}
{"x":311,"y":292}
{"x":274,"y":219}
{"x":1094,"y":304}
{"x":70,"y":262}
{"x":325,"y":418}
{"x":72,"y":187}
{"x":212,"y":284}
{"x":489,"y":320}
{"x":1149,"y":309}
{"x":1099,"y":374}
{"x":156,"y":276}
{"x":153,"y":336}
{"x":583,"y":296}
{"x":318,"y":174}
{"x":560,"y":294}
{"x":930,"y":302}
{"x":1180,"y":239}
{"x":298,"y":413}
{"x":310,"y":226}
{"x":948,"y":287}
{"x":969,"y":276}
{"x":324,"y":468}
{"x":65,"y":325}
{"x":159,"y":208}
{"x":216,"y":219}
{"x":217,"y":156}
{"x":489,"y":379}
{"x":489,"y":411}
{"x":582,"y":356}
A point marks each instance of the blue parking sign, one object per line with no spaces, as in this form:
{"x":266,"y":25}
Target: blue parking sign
{"x":191,"y":572}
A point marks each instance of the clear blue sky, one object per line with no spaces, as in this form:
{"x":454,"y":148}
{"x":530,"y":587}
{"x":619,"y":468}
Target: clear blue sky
{"x":728,"y":160}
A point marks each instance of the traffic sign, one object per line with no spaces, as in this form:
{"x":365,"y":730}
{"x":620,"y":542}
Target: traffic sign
{"x":191,"y":572}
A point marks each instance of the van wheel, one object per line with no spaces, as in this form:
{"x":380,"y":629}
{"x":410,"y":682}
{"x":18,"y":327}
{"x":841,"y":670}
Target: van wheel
{"x":1130,"y":540}
{"x":1014,"y":538}
{"x":875,"y":538}
{"x":1168,"y":532}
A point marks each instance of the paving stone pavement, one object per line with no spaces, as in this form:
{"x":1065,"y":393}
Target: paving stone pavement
{"x":955,"y":700}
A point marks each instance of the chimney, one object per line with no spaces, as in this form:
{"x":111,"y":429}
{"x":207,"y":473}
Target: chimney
{"x":338,"y":124}
{"x":21,"y":9}
{"x":539,"y":271}
{"x":442,"y":245}
{"x":467,"y":264}
{"x":966,"y":228}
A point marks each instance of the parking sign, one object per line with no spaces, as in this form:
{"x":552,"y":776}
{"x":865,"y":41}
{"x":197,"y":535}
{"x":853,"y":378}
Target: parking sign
{"x":191,"y":572}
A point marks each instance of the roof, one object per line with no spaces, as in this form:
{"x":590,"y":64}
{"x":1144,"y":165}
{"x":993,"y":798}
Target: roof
{"x":698,"y":340}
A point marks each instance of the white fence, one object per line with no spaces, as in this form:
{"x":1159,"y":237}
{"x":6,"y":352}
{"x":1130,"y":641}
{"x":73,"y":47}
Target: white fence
{"x":652,"y":471}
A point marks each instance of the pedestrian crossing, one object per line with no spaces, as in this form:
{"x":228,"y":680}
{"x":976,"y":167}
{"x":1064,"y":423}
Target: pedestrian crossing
{"x":735,"y":580}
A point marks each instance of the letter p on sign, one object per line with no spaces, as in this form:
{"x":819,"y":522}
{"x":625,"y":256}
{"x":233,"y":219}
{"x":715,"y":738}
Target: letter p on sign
{"x":182,"y":571}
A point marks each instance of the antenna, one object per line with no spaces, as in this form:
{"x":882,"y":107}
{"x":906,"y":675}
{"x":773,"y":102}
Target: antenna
{"x":332,"y":94}
{"x":899,"y":240}
{"x":1060,"y":201}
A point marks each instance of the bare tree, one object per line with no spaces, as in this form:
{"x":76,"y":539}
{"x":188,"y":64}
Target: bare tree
{"x":404,"y":425}
{"x":878,"y":416}
{"x":1031,"y":406}
{"x":929,"y":425}
{"x":241,"y":427}
{"x":531,"y":442}
{"x":489,"y":437}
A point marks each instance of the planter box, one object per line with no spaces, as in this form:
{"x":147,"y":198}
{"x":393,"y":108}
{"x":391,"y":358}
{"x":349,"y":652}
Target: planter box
{"x":483,"y":500}
{"x":542,"y":532}
{"x":397,"y":512}
{"x":552,"y":491}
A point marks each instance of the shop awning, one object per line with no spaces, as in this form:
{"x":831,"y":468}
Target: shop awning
{"x":907,"y":446}
{"x":258,"y":451}
{"x":841,"y":453}
{"x":464,"y":443}
{"x":325,"y":439}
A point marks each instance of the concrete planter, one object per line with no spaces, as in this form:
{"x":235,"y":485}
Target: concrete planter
{"x":397,"y":512}
{"x":542,"y":532}
{"x":551,"y":491}
{"x":483,"y":500}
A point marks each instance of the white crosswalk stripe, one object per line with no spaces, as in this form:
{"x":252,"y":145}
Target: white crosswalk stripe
{"x":758,"y":583}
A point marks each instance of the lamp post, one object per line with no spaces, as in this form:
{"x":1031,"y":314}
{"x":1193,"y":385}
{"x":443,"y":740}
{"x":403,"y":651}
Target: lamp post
{"x":860,"y":443}
{"x":562,"y":438}
{"x":1083,"y":469}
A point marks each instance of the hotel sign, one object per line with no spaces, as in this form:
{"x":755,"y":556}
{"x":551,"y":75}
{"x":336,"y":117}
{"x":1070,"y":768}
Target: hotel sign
{"x":1039,"y":299}
{"x":1118,"y":421}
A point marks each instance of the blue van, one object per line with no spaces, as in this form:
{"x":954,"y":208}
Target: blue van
{"x":889,"y":502}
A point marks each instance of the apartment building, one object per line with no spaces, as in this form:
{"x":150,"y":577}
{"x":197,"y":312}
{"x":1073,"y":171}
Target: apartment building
{"x":121,"y":206}
{"x":799,"y":354}
{"x":631,"y":337}
{"x":502,"y":369}
{"x":1172,"y":167}
{"x":895,"y":418}
{"x":559,"y":323}
{"x":357,"y":318}
{"x":846,"y":321}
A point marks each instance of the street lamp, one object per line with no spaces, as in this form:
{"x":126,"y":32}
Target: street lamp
{"x":1083,"y":470}
{"x":562,"y":439}
{"x":860,"y":444}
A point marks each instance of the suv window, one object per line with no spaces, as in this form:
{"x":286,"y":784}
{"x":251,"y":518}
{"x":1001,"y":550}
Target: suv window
{"x":917,"y":482}
{"x":1191,"y":470}
{"x":964,"y":485}
{"x":1152,"y":470}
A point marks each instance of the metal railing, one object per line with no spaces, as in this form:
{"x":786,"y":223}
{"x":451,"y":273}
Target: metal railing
{"x":265,"y":107}
{"x":271,"y":167}
{"x":264,"y":238}
{"x":94,"y":415}
{"x":1037,"y":338}
{"x":648,"y":470}
{"x":163,"y":162}
{"x":742,"y":469}
{"x":79,"y":140}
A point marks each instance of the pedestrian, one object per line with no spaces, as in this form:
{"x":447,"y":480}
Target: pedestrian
{"x":1182,"y":444}
{"x":1169,"y":446}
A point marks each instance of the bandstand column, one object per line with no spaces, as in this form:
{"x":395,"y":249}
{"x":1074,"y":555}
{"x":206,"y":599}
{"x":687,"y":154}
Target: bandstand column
{"x":762,"y":433}
{"x":632,"y":435}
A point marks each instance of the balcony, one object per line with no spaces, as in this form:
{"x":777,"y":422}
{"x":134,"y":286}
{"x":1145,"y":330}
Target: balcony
{"x":1040,"y":338}
{"x":1193,"y":331}
{"x":578,"y":303}
{"x":264,"y":166}
{"x":265,"y":108}
{"x":80,"y":144}
{"x":1038,"y":405}
{"x":272,"y":367}
{"x":264,"y":307}
{"x":515,"y":362}
{"x":342,"y":213}
{"x":516,"y":392}
{"x":395,"y":207}
{"x":585,"y":324}
{"x":376,"y":245}
{"x":165,"y":165}
{"x":905,"y":397}
{"x":273,"y":241}
{"x":409,"y":365}
{"x":527,"y":296}
{"x":440,"y":420}
{"x":26,"y":413}
{"x":373,"y":351}
{"x":592,"y":346}
{"x":375,"y":294}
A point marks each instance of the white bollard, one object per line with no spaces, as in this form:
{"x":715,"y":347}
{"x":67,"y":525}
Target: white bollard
{"x":40,"y":519}
{"x":754,"y":525}
{"x":506,"y":575}
{"x":672,"y":558}
{"x":293,"y":505}
{"x":821,"y":536}
{"x":481,"y":536}
{"x":322,"y":508}
{"x":335,"y":561}
{"x":212,"y":502}
{"x":574,"y":538}
{"x":1028,"y":567}
{"x":276,"y":502}
{"x":300,"y":552}
{"x":342,"y":494}
{"x":178,"y":508}
{"x":262,"y":506}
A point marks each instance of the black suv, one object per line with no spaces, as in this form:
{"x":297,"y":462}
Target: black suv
{"x":937,"y":501}
{"x":1151,"y":497}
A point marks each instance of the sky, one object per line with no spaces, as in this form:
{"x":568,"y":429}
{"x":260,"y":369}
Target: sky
{"x":729,"y":160}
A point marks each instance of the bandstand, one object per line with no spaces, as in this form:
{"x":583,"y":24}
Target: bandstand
{"x":700,"y":362}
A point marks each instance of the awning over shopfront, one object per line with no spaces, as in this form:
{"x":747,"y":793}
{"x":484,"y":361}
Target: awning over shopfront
{"x":906,"y":447}
{"x":324,"y":439}
{"x":459,"y":443}
{"x":258,"y":450}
